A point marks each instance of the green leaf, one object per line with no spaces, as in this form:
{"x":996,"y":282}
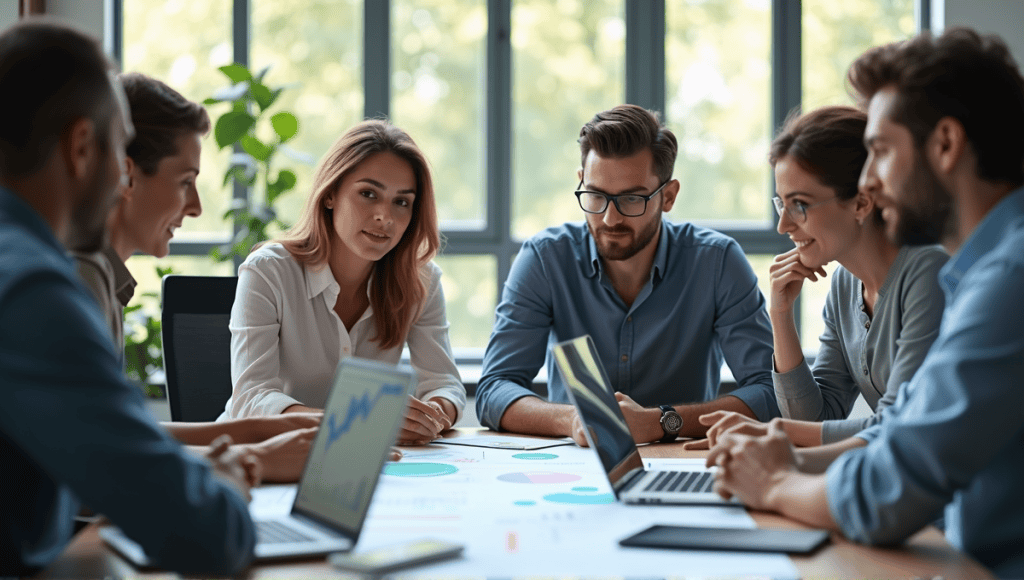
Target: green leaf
{"x":285,"y":125}
{"x":256,"y":148}
{"x":236,"y":72}
{"x":274,"y":95}
{"x":261,"y":94}
{"x":285,"y":181}
{"x":231,"y":127}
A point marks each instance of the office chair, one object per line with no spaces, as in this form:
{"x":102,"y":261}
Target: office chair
{"x":197,"y":344}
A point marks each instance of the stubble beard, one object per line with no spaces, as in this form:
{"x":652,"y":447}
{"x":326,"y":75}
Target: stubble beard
{"x":928,"y":217}
{"x":615,"y":253}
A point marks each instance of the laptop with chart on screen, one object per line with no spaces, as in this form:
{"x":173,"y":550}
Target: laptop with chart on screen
{"x":361,"y":419}
{"x":608,"y":434}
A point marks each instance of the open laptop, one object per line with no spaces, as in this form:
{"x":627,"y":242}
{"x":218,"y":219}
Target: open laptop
{"x":608,"y":434}
{"x":361,"y":419}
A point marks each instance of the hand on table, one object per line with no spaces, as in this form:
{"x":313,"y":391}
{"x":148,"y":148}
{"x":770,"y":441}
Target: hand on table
{"x":283,"y":456}
{"x":722,"y":422}
{"x":752,"y":468}
{"x":787,"y":274}
{"x":237,"y":466}
{"x":424,"y":422}
{"x":644,"y":424}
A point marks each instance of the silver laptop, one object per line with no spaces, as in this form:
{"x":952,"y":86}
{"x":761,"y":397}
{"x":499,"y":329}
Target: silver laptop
{"x":606,"y":430}
{"x":361,"y":419}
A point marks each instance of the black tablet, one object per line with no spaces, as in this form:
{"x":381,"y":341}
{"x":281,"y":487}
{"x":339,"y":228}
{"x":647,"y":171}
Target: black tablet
{"x":736,"y":539}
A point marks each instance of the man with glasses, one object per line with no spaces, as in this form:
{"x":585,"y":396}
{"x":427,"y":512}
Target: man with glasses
{"x":663,"y":302}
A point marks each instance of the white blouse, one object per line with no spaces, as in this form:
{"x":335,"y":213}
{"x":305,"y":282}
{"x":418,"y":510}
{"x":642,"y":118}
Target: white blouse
{"x":286,"y":339}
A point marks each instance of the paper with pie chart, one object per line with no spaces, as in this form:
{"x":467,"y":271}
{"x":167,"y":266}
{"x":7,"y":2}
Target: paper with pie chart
{"x":524,"y":510}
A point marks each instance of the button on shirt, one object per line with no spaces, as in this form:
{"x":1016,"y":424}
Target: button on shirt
{"x":286,"y":339}
{"x":72,"y":430}
{"x":700,"y":304}
{"x":955,"y":435}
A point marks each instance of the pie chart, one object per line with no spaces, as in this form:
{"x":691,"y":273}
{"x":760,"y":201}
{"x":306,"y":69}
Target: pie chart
{"x":538,"y":477}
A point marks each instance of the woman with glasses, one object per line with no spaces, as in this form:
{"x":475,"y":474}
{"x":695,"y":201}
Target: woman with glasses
{"x":353,"y":277}
{"x":884,"y":305}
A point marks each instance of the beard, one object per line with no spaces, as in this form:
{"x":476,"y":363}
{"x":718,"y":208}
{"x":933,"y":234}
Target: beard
{"x":614,"y":252}
{"x":88,"y":231}
{"x":927,"y":216}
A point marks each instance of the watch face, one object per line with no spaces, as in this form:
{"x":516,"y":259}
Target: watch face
{"x":672,"y":422}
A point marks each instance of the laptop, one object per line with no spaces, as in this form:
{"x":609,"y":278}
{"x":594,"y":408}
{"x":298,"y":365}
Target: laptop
{"x":361,"y":420}
{"x":608,"y":434}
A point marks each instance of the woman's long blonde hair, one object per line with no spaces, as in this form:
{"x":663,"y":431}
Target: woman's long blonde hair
{"x":398,"y":289}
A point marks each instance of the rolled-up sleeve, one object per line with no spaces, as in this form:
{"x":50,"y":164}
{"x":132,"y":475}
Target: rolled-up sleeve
{"x":960,"y":412}
{"x":518,"y":345}
{"x":744,"y":333}
{"x":430,"y":350}
{"x":69,"y":411}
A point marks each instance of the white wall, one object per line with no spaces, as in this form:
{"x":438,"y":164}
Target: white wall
{"x":1002,"y":17}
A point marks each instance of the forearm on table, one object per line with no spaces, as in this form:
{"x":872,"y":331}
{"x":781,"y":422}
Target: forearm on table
{"x":240,"y":430}
{"x":299,"y":408}
{"x":802,"y":497}
{"x":535,"y":416}
{"x":817,"y":459}
{"x":803,"y":433}
{"x":690,"y":413}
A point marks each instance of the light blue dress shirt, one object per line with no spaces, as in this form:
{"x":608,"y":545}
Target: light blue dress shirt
{"x":73,"y":430}
{"x":954,"y":438}
{"x":700,"y":304}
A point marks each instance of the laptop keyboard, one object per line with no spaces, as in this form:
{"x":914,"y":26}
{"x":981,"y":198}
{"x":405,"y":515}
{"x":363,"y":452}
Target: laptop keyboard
{"x":682,"y":481}
{"x":273,"y":532}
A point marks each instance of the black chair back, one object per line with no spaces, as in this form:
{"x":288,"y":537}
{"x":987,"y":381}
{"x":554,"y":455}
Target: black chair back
{"x":197,"y":344}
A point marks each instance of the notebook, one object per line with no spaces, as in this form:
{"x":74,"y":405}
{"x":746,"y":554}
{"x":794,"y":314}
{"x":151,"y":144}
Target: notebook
{"x":361,"y":419}
{"x":606,"y":430}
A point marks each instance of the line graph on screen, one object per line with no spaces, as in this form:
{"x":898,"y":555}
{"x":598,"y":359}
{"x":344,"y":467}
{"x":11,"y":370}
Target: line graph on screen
{"x":359,"y":408}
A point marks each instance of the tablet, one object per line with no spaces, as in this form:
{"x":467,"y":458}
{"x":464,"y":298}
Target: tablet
{"x":736,"y":539}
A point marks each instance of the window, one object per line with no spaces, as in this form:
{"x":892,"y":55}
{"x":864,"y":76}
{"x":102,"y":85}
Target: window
{"x":495,"y":92}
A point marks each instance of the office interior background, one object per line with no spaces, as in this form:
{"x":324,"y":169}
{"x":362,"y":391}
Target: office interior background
{"x":495,"y":91}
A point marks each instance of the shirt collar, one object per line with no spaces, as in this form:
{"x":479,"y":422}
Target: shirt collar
{"x":983,"y":239}
{"x":592,"y":266}
{"x":124,"y":282}
{"x":22,"y":213}
{"x":318,"y":281}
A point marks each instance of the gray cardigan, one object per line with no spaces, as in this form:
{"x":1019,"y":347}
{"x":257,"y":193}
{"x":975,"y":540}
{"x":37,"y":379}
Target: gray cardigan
{"x":866,"y":355}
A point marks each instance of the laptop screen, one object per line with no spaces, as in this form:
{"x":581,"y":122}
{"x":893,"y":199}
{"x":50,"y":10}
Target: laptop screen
{"x":361,"y":418}
{"x":590,"y":391}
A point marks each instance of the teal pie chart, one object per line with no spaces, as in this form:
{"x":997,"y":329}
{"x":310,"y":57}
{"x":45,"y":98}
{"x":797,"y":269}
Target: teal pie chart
{"x":419,"y":469}
{"x":582,"y":495}
{"x":535,"y":456}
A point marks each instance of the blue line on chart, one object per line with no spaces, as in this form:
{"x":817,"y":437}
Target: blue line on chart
{"x":359,"y":408}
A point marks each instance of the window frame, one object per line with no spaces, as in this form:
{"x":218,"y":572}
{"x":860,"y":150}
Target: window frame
{"x":644,"y":86}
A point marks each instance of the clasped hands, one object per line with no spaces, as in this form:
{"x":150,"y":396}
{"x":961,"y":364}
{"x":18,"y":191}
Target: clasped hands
{"x":753,"y":458}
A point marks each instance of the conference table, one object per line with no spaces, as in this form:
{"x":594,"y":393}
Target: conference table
{"x":925,"y":555}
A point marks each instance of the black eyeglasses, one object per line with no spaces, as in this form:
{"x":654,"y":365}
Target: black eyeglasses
{"x":629,"y":205}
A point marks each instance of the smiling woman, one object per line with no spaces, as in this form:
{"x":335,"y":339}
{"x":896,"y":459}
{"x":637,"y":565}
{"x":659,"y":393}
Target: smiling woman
{"x":353,"y":277}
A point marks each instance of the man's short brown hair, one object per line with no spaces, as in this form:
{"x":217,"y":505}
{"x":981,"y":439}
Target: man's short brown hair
{"x":626,"y":130}
{"x":50,"y":76}
{"x":959,"y":74}
{"x":160,"y":115}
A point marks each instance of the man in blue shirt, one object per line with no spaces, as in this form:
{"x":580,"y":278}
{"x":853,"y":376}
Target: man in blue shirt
{"x":72,"y":430}
{"x":663,"y":302}
{"x":947,"y":164}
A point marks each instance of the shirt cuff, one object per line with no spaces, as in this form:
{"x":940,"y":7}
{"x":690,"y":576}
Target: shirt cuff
{"x":273,"y":403}
{"x":492,"y":406}
{"x":760,"y":399}
{"x":839,"y":429}
{"x":796,"y":390}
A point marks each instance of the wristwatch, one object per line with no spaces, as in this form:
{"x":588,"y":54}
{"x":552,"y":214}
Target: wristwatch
{"x":671,"y":423}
